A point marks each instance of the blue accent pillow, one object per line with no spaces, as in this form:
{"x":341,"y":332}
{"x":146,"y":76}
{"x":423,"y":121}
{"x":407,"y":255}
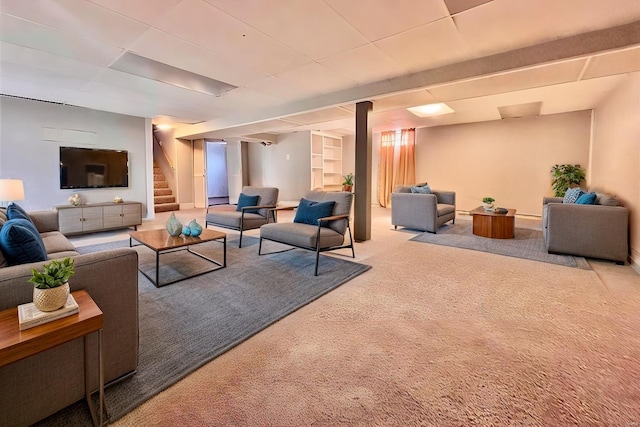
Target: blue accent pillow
{"x":245,"y":200}
{"x":16,"y":212}
{"x":309,"y":211}
{"x":421,"y":189}
{"x":21,"y":243}
{"x":572,"y":195}
{"x":586,"y":199}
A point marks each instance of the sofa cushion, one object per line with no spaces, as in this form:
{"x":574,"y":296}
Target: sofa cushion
{"x":421,"y":189}
{"x":572,"y":195}
{"x":606,"y":200}
{"x":309,"y":212}
{"x":586,"y":199}
{"x":21,"y":243}
{"x":245,"y":200}
{"x":55,"y":242}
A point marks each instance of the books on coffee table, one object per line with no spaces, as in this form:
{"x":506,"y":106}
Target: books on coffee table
{"x":29,"y":316}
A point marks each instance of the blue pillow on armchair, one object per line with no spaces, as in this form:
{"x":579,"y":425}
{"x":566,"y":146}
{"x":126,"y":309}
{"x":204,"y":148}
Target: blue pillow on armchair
{"x":421,"y":189}
{"x":572,"y":195}
{"x":309,"y":211}
{"x":245,"y":200}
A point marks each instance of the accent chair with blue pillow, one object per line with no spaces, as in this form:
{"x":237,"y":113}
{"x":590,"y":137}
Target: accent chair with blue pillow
{"x":320,"y":224}
{"x":253,"y":210}
{"x":421,"y":208}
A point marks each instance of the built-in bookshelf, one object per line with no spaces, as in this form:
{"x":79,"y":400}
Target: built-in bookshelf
{"x":326,"y":161}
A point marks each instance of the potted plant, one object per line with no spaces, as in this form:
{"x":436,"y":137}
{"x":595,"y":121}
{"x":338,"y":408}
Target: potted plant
{"x":564,"y":176}
{"x":487,"y":203}
{"x":347,"y":185}
{"x":51,"y":286}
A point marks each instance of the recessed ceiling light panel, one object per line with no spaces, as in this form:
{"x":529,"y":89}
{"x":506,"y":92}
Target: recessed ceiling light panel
{"x":430,"y":110}
{"x":144,"y":67}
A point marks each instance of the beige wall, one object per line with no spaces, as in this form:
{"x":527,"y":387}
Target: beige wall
{"x":509,"y":160}
{"x":616,"y":152}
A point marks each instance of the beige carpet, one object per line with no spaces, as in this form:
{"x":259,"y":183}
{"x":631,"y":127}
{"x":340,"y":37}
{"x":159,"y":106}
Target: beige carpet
{"x":434,"y":336}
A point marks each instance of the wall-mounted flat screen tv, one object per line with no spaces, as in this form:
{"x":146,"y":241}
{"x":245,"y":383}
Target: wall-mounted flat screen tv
{"x":93,"y":168}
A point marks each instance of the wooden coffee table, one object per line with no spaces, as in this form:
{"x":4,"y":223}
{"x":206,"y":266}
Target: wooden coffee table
{"x":493,"y":225}
{"x":161,"y":242}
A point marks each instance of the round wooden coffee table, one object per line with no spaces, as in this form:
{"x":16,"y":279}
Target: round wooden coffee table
{"x":493,"y":225}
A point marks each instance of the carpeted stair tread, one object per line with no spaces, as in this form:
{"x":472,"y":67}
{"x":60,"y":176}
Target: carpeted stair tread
{"x":161,"y":184}
{"x":162,"y":192}
{"x":166,"y":207}
{"x":158,"y":200}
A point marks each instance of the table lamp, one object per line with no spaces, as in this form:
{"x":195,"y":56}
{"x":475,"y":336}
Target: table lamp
{"x":11,"y":190}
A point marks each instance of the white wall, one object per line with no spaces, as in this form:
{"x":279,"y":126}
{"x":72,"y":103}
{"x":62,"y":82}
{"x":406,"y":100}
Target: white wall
{"x":509,"y":160}
{"x":616,"y":152}
{"x":287,"y":165}
{"x":26,"y":155}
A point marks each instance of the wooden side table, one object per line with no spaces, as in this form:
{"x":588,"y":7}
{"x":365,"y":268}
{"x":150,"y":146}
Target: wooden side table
{"x":493,"y":225}
{"x":16,"y":344}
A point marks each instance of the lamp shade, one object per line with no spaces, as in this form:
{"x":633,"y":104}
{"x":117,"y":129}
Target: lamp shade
{"x":11,"y":189}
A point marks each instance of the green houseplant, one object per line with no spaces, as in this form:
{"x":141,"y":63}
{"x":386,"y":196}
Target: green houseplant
{"x":487,"y":202}
{"x":51,"y":286}
{"x":564,"y":176}
{"x":347,"y":185}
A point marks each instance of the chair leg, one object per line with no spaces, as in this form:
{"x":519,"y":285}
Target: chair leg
{"x":260,"y":247}
{"x":317,"y":250}
{"x":353,"y":252}
{"x":240,"y":244}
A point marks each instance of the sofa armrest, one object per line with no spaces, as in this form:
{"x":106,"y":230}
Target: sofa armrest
{"x":45,"y":220}
{"x":446,"y":197}
{"x":547,"y":200}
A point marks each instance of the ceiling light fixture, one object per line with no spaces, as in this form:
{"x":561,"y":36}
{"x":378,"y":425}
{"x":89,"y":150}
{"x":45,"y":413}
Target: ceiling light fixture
{"x":429,"y":110}
{"x":164,"y":126}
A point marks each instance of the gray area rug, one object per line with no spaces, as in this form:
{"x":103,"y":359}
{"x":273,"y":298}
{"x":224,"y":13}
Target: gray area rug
{"x":527,"y":243}
{"x":186,"y":324}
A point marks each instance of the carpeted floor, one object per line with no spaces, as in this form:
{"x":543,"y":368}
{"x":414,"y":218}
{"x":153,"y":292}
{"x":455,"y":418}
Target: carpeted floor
{"x":188,"y":323}
{"x":432,"y":336}
{"x":527,"y":243}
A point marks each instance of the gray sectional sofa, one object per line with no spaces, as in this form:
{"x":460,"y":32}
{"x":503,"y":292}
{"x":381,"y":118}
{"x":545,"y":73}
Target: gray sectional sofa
{"x":40,"y":385}
{"x":593,"y":231}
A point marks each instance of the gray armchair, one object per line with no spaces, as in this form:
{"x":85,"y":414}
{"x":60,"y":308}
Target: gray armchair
{"x":424,"y":212}
{"x":327,"y":235}
{"x":249,"y":217}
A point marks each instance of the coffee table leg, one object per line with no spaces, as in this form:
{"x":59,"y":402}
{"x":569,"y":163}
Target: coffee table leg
{"x":157,"y":269}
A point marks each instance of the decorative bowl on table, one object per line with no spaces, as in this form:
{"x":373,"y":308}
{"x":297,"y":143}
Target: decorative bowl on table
{"x":501,"y":211}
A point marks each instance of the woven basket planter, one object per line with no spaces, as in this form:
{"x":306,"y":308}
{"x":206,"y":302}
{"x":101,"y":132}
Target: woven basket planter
{"x":50,"y":299}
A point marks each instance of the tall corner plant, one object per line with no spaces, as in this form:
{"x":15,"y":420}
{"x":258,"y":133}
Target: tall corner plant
{"x":565,"y":175}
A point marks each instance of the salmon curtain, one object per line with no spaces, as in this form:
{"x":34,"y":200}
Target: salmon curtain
{"x":397,"y":163}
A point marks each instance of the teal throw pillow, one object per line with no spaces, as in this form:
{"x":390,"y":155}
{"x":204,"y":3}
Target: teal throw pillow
{"x":16,"y":212}
{"x":572,"y":195}
{"x":309,"y":211}
{"x":586,"y":199}
{"x":423,"y":189}
{"x":245,"y":200}
{"x":21,"y":243}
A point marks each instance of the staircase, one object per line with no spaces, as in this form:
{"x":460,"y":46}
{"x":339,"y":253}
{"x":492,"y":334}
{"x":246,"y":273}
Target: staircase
{"x":163,"y":198}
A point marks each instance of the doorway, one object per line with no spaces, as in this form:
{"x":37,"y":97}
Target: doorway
{"x":216,"y":171}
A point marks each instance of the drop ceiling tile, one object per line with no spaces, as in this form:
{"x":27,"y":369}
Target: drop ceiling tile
{"x":358,"y":64}
{"x":40,"y":77}
{"x":320,"y":116}
{"x":244,"y":99}
{"x":483,"y":28}
{"x":80,"y":18}
{"x":403,"y":100}
{"x":230,"y":37}
{"x":311,"y":27}
{"x":147,"y":11}
{"x":517,"y":80}
{"x":47,"y":61}
{"x":624,"y":61}
{"x":35,"y":36}
{"x":429,"y":46}
{"x":317,"y":78}
{"x":377,"y":19}
{"x":163,"y":47}
{"x":282,"y":88}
